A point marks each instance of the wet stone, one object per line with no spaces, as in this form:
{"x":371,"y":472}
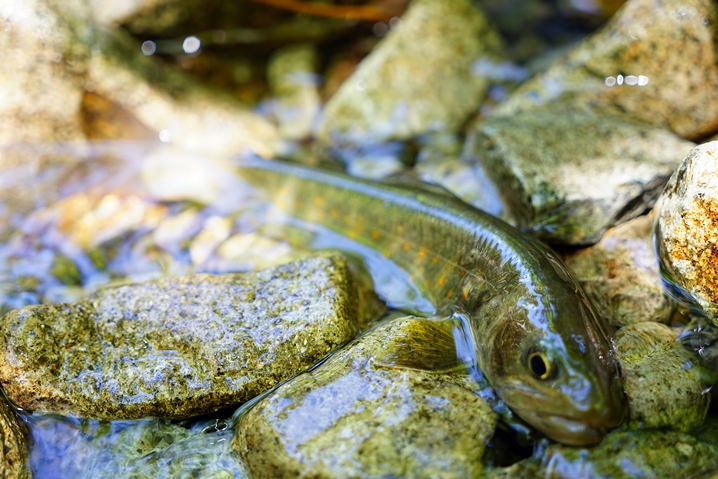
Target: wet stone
{"x":353,"y":417}
{"x":177,"y":347}
{"x":655,"y":61}
{"x":15,"y":447}
{"x":688,"y":228}
{"x":418,"y":79}
{"x":620,"y":274}
{"x":661,"y":378}
{"x":568,"y":176}
{"x":622,"y":454}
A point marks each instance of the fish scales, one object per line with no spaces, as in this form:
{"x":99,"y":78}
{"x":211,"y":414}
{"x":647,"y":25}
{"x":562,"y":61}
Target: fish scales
{"x":538,"y":340}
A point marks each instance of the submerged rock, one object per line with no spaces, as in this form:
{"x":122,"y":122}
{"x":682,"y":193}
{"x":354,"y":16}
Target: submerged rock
{"x":353,"y":417}
{"x":622,"y":454}
{"x":419,"y":79}
{"x":177,"y":347}
{"x":662,"y":381}
{"x":620,"y":274}
{"x":687,"y":229}
{"x":654,"y":61}
{"x":568,"y":176}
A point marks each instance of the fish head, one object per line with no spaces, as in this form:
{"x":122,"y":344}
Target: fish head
{"x":552,"y":363}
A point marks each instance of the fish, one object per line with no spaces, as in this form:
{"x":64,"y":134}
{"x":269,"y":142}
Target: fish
{"x":537,"y":338}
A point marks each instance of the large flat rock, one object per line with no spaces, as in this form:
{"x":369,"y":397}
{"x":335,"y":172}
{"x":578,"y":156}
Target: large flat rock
{"x":177,"y":347}
{"x":568,"y":176}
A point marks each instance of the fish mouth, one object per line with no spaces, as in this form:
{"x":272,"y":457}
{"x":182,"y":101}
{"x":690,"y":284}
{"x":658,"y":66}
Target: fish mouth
{"x":564,"y":429}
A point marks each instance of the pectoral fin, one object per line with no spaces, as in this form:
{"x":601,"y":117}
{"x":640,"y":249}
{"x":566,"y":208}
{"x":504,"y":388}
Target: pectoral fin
{"x":426,"y":344}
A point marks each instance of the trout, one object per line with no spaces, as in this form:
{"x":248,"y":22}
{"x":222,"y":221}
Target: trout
{"x":537,"y":338}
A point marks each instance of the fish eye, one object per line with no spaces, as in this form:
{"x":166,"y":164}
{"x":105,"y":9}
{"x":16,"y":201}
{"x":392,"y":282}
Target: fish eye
{"x":539,"y":365}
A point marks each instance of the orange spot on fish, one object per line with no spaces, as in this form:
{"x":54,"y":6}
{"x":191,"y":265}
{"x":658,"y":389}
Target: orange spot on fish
{"x":352,"y":235}
{"x":422,"y":252}
{"x":465,"y":294}
{"x":450,"y":293}
{"x":426,"y":284}
{"x":442,"y":280}
{"x":406,"y":246}
{"x":375,"y":234}
{"x":318,"y":200}
{"x":435,"y":259}
{"x":462,"y":273}
{"x":333,"y":213}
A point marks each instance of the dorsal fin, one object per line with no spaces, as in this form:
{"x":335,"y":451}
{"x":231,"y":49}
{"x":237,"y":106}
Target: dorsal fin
{"x":410,"y":178}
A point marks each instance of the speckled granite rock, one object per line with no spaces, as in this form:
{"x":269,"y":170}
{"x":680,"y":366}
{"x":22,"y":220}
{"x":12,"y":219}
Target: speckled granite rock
{"x":418,"y":79}
{"x":620,"y":274}
{"x":177,"y":347}
{"x":622,"y":454}
{"x":351,"y":417}
{"x":568,"y":176}
{"x":662,"y":386}
{"x":15,"y":445}
{"x":655,"y":61}
{"x":687,"y":229}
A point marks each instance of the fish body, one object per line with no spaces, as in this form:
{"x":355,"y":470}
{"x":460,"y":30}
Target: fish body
{"x":538,"y":340}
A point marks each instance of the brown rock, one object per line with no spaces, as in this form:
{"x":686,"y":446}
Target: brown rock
{"x":15,"y":448}
{"x":620,"y":274}
{"x":655,"y":61}
{"x":687,"y":232}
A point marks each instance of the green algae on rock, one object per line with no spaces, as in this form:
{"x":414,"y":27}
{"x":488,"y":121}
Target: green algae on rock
{"x":622,"y":454}
{"x":177,"y":347}
{"x":654,"y":61}
{"x":418,"y":79}
{"x":663,"y":384}
{"x":354,"y":417}
{"x":568,"y":175}
{"x":620,"y":274}
{"x":687,"y":229}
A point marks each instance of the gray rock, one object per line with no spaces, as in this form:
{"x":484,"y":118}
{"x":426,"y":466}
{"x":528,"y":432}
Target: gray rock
{"x":568,"y":176}
{"x":353,"y":417}
{"x":687,"y":229}
{"x":418,"y":79}
{"x":655,"y":61}
{"x":662,"y":386}
{"x":622,"y":454}
{"x":620,"y":274}
{"x":177,"y":347}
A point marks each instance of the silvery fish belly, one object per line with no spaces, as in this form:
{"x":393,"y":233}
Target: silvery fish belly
{"x":537,"y":339}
